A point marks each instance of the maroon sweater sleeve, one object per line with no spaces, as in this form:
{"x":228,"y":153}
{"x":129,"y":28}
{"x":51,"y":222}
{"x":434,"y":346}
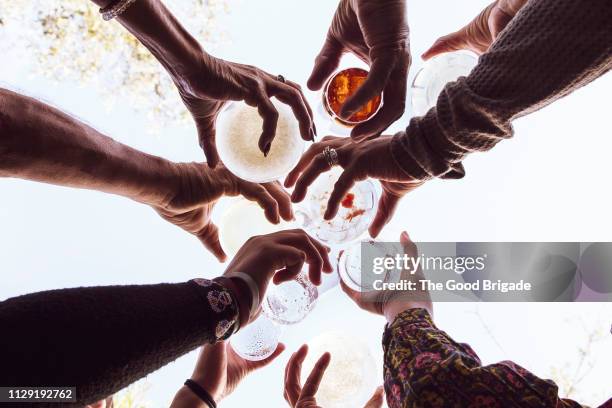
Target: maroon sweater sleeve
{"x":101,"y":339}
{"x":551,"y":48}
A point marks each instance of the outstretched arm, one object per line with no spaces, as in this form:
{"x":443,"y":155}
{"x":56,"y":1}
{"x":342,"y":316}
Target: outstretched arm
{"x":101,"y":339}
{"x":206,"y":83}
{"x":549,"y":49}
{"x":41,"y":143}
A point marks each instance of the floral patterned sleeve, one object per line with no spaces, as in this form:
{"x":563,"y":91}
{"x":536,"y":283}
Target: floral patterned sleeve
{"x":101,"y":339}
{"x":424,"y":367}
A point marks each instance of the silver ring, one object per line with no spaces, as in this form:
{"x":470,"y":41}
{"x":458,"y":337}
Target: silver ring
{"x":281,"y":78}
{"x":331,"y":156}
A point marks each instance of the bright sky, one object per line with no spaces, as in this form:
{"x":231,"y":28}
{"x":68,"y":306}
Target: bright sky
{"x":547,"y":184}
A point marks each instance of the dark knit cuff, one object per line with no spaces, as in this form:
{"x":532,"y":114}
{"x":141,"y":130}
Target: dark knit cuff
{"x":222,"y":305}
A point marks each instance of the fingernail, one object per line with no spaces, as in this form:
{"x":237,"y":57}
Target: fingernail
{"x":314,"y":128}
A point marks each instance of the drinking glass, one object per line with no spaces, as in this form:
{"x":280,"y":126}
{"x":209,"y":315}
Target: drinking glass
{"x":360,"y":277}
{"x":243,"y":219}
{"x":290,"y":302}
{"x":258,"y":340}
{"x":355,"y":213}
{"x":239,"y":127}
{"x":435,"y":74}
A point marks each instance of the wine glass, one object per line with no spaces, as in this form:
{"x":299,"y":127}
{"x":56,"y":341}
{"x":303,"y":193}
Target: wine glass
{"x":435,"y":74}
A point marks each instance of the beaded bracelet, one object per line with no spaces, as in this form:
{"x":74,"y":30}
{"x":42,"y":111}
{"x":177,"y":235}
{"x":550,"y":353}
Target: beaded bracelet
{"x":113,"y":10}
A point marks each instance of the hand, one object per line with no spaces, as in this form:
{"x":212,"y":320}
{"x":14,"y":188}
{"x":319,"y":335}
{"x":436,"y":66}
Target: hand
{"x":299,"y":397}
{"x":367,"y":159}
{"x":481,"y":32}
{"x":377,"y":33}
{"x":196,"y":188}
{"x":281,"y":256}
{"x":219,"y":370}
{"x":391,"y":303}
{"x":207,"y":87}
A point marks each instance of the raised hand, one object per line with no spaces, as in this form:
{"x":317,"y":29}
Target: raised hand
{"x":206,"y":88}
{"x":376,"y":32}
{"x":391,"y":303}
{"x":305,"y":397}
{"x":368,"y":159}
{"x":196,"y":189}
{"x":480,"y":33}
{"x":281,"y":256}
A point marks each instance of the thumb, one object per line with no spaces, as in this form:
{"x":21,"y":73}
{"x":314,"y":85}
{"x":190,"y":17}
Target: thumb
{"x":377,"y":399}
{"x":451,"y":42}
{"x":386,"y":208}
{"x":209,"y":236}
{"x":325,"y":64}
{"x":206,"y":136}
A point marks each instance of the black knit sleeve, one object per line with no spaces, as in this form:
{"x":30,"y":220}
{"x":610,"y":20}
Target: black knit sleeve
{"x":100,"y":339}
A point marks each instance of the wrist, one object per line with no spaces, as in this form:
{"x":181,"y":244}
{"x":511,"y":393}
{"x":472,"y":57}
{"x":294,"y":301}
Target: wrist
{"x":185,"y":398}
{"x":393,"y":308}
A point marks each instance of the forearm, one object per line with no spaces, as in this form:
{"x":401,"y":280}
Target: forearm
{"x":423,"y":363}
{"x":101,"y":339}
{"x":548,"y":50}
{"x":41,"y":143}
{"x":163,"y":35}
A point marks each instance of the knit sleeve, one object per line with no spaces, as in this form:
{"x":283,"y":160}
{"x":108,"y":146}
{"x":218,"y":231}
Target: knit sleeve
{"x":101,"y":339}
{"x":551,"y":48}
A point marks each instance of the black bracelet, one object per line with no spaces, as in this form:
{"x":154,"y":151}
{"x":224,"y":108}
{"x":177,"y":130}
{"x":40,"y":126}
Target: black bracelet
{"x":201,"y":393}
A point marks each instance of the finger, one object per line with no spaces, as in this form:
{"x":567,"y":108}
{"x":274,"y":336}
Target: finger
{"x":377,"y":399}
{"x":291,"y":260}
{"x":262,"y":363}
{"x":324,"y":251}
{"x":290,"y":96}
{"x":209,"y":236}
{"x":314,"y":379}
{"x":410,"y":247}
{"x":314,"y":255}
{"x":305,"y":160}
{"x":206,"y":136}
{"x":325,"y":64}
{"x":269,"y":114}
{"x":349,"y":292}
{"x":451,"y":42}
{"x":282,"y":199}
{"x":299,"y":89}
{"x":288,"y":273}
{"x":293,"y":381}
{"x":317,"y":166}
{"x":373,"y":86}
{"x":343,"y":185}
{"x":255,"y":192}
{"x":391,"y":111}
{"x":386,"y":208}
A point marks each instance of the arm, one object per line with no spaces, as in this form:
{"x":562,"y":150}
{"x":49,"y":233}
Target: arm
{"x":41,"y":143}
{"x":548,"y":50}
{"x":101,"y":339}
{"x":205,"y":83}
{"x":422,"y":363}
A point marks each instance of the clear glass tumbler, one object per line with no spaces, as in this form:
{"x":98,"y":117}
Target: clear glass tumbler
{"x":258,"y":340}
{"x":355,"y":213}
{"x":290,"y":302}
